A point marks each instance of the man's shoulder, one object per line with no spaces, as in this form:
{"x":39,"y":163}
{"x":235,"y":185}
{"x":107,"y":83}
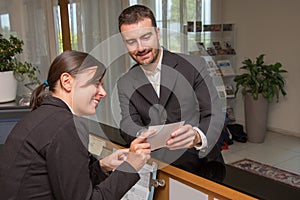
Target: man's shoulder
{"x":191,"y":58}
{"x":184,"y":62}
{"x":128,"y":76}
{"x":182,"y":57}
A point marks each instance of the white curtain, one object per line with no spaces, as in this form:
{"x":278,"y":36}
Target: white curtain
{"x":31,"y":21}
{"x":94,"y":29}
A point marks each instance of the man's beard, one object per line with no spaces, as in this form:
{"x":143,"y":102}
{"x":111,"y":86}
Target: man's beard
{"x":155,"y":56}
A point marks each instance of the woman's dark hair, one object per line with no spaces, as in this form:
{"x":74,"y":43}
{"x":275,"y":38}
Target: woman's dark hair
{"x":72,"y":62}
{"x":134,"y":14}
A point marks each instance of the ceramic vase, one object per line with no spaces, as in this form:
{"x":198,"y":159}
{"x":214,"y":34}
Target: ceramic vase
{"x":256,"y":117}
{"x":8,"y":86}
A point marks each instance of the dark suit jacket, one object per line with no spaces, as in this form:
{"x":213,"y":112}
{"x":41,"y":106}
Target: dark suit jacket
{"x":187,"y":94}
{"x":46,"y":157}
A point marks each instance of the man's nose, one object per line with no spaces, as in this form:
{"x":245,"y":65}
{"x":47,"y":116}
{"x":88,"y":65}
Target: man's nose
{"x":140,"y":46}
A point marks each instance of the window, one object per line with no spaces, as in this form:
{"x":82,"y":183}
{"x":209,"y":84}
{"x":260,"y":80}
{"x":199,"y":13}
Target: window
{"x":72,"y":12}
{"x":4,"y":24}
{"x":172,"y":15}
{"x":58,"y":31}
{"x":73,"y":25}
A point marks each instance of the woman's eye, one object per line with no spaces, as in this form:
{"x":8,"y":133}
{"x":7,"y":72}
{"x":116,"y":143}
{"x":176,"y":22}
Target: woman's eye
{"x":96,"y":83}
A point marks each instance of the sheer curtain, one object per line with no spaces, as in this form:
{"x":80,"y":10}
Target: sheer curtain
{"x":94,"y":29}
{"x":31,"y":21}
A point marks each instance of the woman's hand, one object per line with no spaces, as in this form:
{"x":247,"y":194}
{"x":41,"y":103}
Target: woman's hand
{"x":137,"y":155}
{"x":139,"y":151}
{"x":112,"y":161}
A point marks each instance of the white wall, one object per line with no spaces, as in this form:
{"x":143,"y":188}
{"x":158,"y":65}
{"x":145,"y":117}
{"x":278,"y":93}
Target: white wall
{"x":271,"y":27}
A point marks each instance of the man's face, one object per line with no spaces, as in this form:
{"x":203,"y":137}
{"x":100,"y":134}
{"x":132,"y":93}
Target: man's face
{"x":142,"y":41}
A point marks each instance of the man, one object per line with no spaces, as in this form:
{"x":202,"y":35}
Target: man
{"x":164,"y":87}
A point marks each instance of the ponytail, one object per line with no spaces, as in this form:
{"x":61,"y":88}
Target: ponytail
{"x":38,"y":95}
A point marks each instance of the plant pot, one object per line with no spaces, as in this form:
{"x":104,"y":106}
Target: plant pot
{"x":256,"y":117}
{"x":8,"y":86}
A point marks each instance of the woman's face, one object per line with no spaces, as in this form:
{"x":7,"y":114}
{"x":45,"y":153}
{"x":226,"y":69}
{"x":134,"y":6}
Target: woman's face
{"x":86,"y":97}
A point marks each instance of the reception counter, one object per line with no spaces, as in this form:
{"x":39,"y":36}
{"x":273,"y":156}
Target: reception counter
{"x":237,"y":184}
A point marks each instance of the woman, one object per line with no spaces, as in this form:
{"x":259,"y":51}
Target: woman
{"x":46,"y":156}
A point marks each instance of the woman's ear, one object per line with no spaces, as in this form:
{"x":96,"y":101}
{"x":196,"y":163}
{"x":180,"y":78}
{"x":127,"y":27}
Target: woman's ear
{"x":66,"y":81}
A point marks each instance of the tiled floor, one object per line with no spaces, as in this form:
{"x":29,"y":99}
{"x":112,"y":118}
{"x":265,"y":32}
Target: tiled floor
{"x":278,"y":150}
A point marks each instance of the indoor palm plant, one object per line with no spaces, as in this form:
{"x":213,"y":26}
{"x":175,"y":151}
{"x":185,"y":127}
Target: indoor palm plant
{"x":260,"y":84}
{"x":12,"y":69}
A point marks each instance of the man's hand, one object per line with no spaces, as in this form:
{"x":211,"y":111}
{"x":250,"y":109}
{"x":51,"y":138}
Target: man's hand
{"x":184,"y":137}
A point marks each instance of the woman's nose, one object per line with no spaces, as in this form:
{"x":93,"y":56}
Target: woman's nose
{"x":101,"y":91}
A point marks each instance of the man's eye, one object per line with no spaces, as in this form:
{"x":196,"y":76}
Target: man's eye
{"x":146,"y":37}
{"x":130,"y":42}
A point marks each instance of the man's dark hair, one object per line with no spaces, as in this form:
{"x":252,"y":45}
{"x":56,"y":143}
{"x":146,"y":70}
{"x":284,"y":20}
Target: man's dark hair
{"x":134,"y":14}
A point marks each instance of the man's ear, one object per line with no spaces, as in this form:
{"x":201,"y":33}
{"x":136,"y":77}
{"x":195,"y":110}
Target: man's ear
{"x":158,"y":32}
{"x":66,"y":81}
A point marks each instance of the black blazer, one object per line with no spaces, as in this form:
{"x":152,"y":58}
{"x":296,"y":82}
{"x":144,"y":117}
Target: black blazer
{"x":187,"y":94}
{"x":46,"y":157}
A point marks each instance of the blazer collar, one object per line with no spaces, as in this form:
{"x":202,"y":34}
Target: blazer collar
{"x":142,"y":85}
{"x":51,"y":100}
{"x":168,"y":76}
{"x":168,"y":79}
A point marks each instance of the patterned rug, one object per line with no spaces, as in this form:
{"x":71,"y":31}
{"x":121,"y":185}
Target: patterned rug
{"x":268,"y":171}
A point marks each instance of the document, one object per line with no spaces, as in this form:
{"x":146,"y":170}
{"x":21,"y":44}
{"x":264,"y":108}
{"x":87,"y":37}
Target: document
{"x":163,"y":133}
{"x":143,"y":190}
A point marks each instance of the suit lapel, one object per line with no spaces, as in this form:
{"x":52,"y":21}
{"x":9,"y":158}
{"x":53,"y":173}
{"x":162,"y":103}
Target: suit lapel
{"x":168,"y":80}
{"x":168,"y":77}
{"x":142,"y":85}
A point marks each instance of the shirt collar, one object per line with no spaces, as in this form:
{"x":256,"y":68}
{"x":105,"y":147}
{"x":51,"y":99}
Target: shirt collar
{"x":70,"y":108}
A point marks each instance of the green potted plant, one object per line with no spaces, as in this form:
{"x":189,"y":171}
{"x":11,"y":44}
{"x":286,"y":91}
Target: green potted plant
{"x":12,"y":69}
{"x":260,"y":84}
